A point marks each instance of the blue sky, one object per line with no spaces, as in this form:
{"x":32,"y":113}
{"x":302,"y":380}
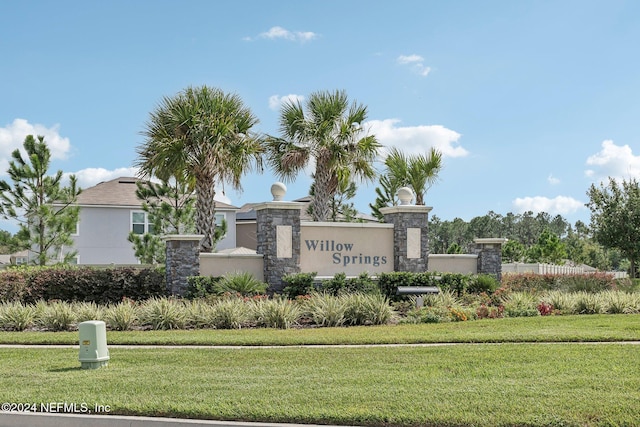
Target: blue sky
{"x":529,"y":101}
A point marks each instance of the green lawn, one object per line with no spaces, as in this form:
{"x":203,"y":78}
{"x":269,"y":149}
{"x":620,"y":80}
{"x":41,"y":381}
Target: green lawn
{"x":514,"y":383}
{"x":605,"y":327}
{"x":481,"y":385}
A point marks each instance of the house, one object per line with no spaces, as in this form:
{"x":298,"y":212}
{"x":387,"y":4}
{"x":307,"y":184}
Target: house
{"x":110,"y":210}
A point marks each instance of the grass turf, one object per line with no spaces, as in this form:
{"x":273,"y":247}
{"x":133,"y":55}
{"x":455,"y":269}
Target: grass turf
{"x":464,"y":385}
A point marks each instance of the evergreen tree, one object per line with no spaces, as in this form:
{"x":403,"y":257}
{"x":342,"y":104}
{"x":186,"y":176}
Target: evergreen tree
{"x":40,"y":203}
{"x":615,"y":218}
{"x":170,"y":206}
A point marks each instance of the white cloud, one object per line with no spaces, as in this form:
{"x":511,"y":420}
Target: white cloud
{"x":417,"y":139}
{"x":553,"y":180}
{"x":91,"y":176}
{"x":416,"y":63}
{"x":276,"y":101}
{"x":277,"y":32}
{"x":410,"y":59}
{"x":12,"y":136}
{"x":613,"y":161}
{"x":560,"y":205}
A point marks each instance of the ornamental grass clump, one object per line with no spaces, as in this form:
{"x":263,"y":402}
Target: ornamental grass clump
{"x":57,"y":316}
{"x":521,"y":304}
{"x":15,"y":316}
{"x":163,"y":313}
{"x":367,"y":309}
{"x":228,"y":313}
{"x":562,"y":302}
{"x":122,"y":316}
{"x":588,"y":303}
{"x":616,"y":302}
{"x":278,"y":313}
{"x":326,"y":310}
{"x":88,"y":311}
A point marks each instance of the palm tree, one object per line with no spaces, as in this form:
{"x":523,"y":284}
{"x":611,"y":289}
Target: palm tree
{"x":329,"y":131}
{"x":201,"y":135}
{"x":418,"y":171}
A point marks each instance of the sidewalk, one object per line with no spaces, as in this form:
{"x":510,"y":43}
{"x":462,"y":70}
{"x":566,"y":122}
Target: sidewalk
{"x":15,"y":419}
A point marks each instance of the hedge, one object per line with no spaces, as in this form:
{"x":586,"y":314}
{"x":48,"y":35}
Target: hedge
{"x":65,"y":283}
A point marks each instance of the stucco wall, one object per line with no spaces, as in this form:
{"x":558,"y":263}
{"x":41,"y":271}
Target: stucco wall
{"x":102,"y":237}
{"x":453,"y":263}
{"x":246,"y":235}
{"x":217,"y":265}
{"x":229,"y":240}
{"x":352,"y":248}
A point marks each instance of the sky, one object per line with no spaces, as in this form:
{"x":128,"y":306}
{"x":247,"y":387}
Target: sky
{"x":530,"y":102}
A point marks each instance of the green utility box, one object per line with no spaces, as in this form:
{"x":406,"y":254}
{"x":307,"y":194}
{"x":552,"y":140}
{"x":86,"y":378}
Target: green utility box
{"x":93,"y":344}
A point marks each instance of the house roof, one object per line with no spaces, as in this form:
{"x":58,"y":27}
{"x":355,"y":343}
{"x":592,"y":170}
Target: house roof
{"x":247,"y":212}
{"x":120,"y":192}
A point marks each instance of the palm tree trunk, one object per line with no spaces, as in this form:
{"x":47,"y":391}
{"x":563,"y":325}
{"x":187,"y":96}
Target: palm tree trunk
{"x":205,"y":213}
{"x":323,"y":190}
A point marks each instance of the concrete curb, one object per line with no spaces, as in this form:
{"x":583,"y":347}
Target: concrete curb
{"x":14,"y":419}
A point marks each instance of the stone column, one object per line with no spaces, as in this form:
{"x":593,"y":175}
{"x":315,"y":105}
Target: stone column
{"x":410,"y":233}
{"x":183,"y":260}
{"x":489,"y":251}
{"x":278,"y":237}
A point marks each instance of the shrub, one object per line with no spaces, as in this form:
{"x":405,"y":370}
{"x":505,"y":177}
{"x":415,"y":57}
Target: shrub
{"x":163,"y":313}
{"x":57,"y":316}
{"x":122,"y":316}
{"x":325,"y":309}
{"x":628,"y":285}
{"x":590,"y":282}
{"x":68,"y":283}
{"x":545,"y":309}
{"x":428,"y":315}
{"x":455,"y":282}
{"x":276,"y":313}
{"x":483,"y":283}
{"x":489,"y":312}
{"x":242,"y":283}
{"x":298,"y":284}
{"x":15,"y":316}
{"x":339,"y":284}
{"x":13,"y":284}
{"x":201,"y":286}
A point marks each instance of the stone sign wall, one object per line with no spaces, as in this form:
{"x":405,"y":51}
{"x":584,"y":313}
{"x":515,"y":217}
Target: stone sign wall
{"x":351,"y":248}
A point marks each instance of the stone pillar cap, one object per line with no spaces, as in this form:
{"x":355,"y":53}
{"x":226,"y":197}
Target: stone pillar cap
{"x":490,"y":241}
{"x":183,"y":237}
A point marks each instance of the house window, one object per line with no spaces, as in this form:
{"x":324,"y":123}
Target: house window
{"x":140,"y":223}
{"x":219,"y":218}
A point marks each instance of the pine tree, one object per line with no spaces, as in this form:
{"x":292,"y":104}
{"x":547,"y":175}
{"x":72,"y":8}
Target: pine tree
{"x":40,"y":203}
